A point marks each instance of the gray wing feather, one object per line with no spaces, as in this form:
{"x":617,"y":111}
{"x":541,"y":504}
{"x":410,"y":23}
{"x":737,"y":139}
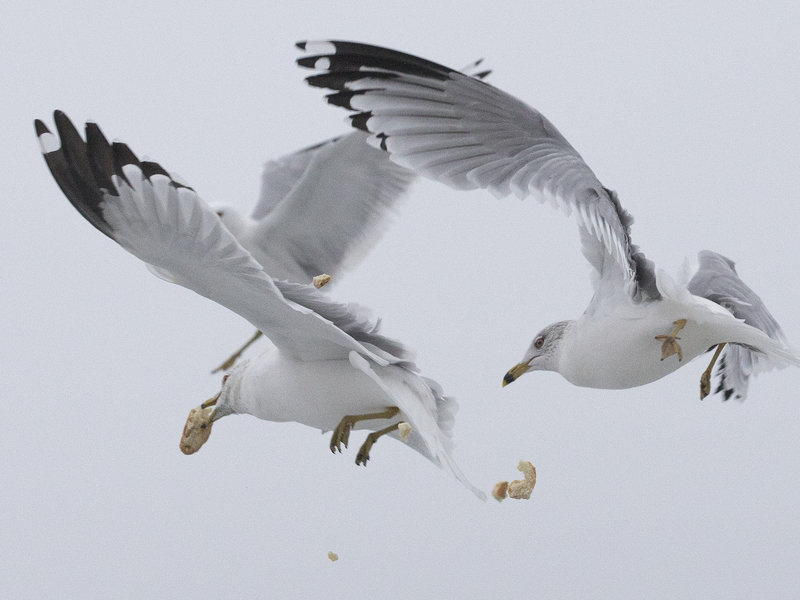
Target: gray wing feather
{"x":716,"y":280}
{"x":352,"y":318}
{"x":165,"y":224}
{"x":280,"y":176}
{"x":341,"y":195}
{"x":468,"y":134}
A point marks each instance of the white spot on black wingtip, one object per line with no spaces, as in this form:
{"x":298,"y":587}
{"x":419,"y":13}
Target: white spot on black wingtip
{"x":322,"y":64}
{"x":47,"y":141}
{"x":317,"y":47}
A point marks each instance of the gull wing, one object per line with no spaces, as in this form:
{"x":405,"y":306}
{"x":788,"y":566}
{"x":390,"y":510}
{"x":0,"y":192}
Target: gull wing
{"x":324,"y":207}
{"x":167,"y":225}
{"x":422,"y":403}
{"x":716,"y":279}
{"x":468,"y":134}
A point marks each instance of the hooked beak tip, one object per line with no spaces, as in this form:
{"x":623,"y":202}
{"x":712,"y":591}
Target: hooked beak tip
{"x":508,"y":378}
{"x":515,"y":372}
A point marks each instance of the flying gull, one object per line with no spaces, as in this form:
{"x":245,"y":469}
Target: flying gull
{"x":330,"y":369}
{"x":320,"y":210}
{"x":641,"y":324}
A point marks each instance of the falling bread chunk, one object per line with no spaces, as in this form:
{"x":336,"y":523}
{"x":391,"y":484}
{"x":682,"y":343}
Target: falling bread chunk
{"x":500,"y":491}
{"x":519,"y":489}
{"x":333,"y":556}
{"x":197,"y":429}
{"x":405,"y":430}
{"x":321,"y":280}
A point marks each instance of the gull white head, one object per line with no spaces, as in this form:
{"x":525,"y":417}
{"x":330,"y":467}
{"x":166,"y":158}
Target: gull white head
{"x":543,"y":353}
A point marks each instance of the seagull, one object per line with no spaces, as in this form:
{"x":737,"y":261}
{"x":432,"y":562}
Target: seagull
{"x":320,"y":211}
{"x":330,"y":367}
{"x":641,"y":324}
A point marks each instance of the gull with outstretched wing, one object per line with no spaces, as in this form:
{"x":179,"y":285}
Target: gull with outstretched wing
{"x":641,"y":324}
{"x":330,"y":368}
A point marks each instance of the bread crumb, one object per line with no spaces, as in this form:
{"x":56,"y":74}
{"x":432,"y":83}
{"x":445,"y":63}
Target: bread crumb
{"x":333,"y":556}
{"x":321,"y":280}
{"x":197,"y":429}
{"x":521,"y":489}
{"x":405,"y":430}
{"x":500,"y":491}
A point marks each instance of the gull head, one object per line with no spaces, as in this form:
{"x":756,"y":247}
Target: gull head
{"x":542,"y":354}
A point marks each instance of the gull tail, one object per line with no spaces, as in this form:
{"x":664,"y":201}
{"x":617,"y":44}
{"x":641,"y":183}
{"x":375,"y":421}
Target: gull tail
{"x":714,"y":277}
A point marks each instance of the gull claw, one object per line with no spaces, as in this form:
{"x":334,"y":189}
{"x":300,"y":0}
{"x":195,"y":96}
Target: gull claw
{"x":363,"y":453}
{"x":341,"y":435}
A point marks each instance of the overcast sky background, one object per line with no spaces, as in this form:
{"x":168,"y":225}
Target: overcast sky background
{"x":690,"y":112}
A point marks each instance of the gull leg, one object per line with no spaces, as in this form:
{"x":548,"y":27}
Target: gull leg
{"x":363,"y":452}
{"x":705,"y":378}
{"x":669,"y":343}
{"x":341,"y":435}
{"x":211,"y":401}
{"x":235,"y":356}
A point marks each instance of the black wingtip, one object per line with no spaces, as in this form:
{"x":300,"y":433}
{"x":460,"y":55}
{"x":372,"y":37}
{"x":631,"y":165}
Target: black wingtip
{"x":150,"y":168}
{"x":93,"y":132}
{"x":125,"y":155}
{"x":359,"y":121}
{"x":61,"y":119}
{"x":301,"y":45}
{"x":40,"y":127}
{"x":65,"y":127}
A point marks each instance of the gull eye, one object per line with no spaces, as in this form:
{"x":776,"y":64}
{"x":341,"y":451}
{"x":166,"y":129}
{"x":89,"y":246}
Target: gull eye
{"x":539,"y":342}
{"x":220,"y":213}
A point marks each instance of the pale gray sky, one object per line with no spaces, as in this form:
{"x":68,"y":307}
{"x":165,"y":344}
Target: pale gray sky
{"x":689,"y":112}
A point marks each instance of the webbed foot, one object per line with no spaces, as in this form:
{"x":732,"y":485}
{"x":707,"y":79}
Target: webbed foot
{"x":669,"y":343}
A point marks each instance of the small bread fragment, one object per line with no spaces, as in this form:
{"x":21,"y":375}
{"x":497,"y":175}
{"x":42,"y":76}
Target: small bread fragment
{"x":519,"y":489}
{"x":197,"y":429}
{"x":500,"y":491}
{"x":321,"y":280}
{"x":333,"y":556}
{"x":405,"y":430}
